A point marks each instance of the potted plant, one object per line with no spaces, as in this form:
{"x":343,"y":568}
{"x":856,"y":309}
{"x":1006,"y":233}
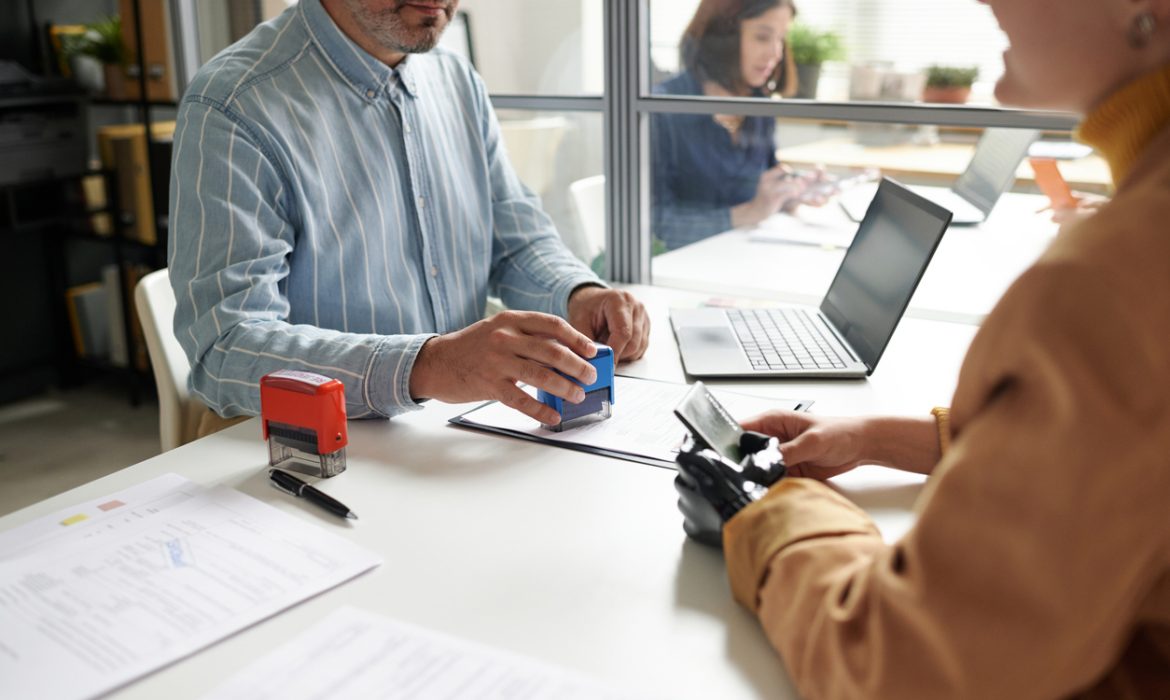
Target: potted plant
{"x":102,"y":41}
{"x":808,"y":48}
{"x":949,"y":84}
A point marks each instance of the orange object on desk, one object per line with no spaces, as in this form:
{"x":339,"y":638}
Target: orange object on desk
{"x":304,"y":421}
{"x":1052,"y":183}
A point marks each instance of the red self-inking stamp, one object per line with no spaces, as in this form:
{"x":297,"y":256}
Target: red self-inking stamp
{"x":303,"y":415}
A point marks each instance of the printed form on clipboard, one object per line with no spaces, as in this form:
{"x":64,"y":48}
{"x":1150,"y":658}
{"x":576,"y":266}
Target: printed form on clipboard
{"x":643,"y":427}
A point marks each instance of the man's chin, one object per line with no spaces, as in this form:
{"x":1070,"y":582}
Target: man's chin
{"x":421,"y":44}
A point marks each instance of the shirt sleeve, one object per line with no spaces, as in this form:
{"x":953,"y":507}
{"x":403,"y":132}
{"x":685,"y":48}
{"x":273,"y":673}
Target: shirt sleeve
{"x":676,"y":222}
{"x":232,"y":231}
{"x":532,"y":268}
{"x":1040,"y":532}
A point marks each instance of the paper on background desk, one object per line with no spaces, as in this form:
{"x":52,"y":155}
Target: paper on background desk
{"x":643,"y":427}
{"x":99,"y":594}
{"x":820,"y":226}
{"x":357,"y":654}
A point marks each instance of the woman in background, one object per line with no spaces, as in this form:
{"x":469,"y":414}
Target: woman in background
{"x":714,"y":173}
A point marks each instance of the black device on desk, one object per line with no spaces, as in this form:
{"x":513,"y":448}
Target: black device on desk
{"x":728,"y":466}
{"x":709,"y":422}
{"x":847,"y":334}
{"x":712,"y":427}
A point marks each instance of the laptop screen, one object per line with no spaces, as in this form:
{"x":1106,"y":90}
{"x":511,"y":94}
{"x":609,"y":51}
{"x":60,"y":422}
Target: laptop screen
{"x":894,"y":243}
{"x":993,"y":167}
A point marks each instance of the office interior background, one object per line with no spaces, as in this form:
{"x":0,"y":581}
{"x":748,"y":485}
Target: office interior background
{"x":573,"y":83}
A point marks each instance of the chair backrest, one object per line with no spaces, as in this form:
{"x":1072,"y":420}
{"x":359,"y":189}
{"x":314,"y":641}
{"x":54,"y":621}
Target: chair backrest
{"x":177,"y":412}
{"x":588,"y":197}
{"x":532,"y":148}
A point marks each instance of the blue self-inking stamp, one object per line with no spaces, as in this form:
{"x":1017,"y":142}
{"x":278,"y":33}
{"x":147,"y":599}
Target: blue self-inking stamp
{"x":598,"y":395}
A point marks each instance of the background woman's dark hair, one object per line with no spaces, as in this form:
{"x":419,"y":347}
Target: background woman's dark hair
{"x":711,"y":45}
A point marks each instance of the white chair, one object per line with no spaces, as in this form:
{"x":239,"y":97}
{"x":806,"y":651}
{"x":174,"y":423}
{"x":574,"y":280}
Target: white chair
{"x":178,"y":413}
{"x":532,"y":148}
{"x":588,"y":197}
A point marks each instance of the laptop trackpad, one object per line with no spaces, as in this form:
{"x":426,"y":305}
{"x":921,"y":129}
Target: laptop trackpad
{"x":711,"y":351}
{"x":707,"y":338}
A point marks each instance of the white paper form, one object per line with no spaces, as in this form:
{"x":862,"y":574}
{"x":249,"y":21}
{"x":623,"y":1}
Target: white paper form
{"x":361,"y":655}
{"x":642,"y":424}
{"x":97,"y":595}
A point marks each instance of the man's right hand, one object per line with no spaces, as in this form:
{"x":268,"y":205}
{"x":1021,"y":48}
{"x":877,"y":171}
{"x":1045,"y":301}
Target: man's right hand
{"x":486,"y":360}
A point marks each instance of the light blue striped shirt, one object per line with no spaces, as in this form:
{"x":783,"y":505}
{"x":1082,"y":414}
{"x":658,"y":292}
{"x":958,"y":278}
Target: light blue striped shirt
{"x":330,"y":213}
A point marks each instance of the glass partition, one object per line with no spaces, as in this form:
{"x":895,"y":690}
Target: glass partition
{"x":558,"y":156}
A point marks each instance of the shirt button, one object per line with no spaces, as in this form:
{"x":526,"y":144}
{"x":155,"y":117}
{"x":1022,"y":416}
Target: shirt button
{"x":434,"y":270}
{"x":422,"y":202}
{"x":370,"y":94}
{"x":406,"y":128}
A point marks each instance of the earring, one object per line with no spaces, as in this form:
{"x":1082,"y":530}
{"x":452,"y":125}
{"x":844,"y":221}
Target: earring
{"x":1141,"y":30}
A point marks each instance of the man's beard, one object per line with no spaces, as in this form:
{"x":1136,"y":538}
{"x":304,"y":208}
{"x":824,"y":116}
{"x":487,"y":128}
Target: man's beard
{"x":393,"y":33}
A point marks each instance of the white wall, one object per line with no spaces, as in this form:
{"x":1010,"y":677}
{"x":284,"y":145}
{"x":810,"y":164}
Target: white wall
{"x":537,"y":46}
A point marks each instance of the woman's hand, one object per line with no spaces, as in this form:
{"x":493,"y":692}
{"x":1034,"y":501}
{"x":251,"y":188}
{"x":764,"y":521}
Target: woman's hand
{"x":775,"y":188}
{"x":821,"y":447}
{"x":818,"y":447}
{"x":819,"y":188}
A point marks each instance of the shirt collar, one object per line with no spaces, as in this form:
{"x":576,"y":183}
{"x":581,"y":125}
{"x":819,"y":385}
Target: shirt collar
{"x":368,"y":76}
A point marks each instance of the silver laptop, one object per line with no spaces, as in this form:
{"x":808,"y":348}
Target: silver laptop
{"x":990,"y":173}
{"x":846,"y":336}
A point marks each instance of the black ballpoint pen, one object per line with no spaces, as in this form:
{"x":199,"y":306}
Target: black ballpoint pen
{"x":292,"y":485}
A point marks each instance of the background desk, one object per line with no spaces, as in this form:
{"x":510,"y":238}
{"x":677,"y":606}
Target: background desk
{"x":937,"y":164}
{"x":970,"y":271}
{"x":570,"y":558}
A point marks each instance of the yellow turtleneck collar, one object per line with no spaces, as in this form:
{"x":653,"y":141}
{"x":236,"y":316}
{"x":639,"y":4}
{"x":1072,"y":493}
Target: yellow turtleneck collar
{"x":1122,"y":125}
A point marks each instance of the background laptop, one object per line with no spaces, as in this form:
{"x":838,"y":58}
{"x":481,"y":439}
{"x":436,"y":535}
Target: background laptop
{"x":846,"y":336}
{"x":990,"y":173}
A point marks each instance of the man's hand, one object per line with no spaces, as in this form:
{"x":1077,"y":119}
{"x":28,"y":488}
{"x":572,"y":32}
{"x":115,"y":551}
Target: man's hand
{"x":611,"y":317}
{"x":486,"y":359}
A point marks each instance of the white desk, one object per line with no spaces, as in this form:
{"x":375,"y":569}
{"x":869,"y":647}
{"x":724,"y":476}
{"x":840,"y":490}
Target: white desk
{"x":570,"y":558}
{"x":970,"y":271}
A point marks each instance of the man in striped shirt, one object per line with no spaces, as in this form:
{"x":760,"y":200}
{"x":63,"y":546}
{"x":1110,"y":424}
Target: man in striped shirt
{"x":341,"y":202}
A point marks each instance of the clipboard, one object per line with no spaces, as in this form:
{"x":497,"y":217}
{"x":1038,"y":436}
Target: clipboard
{"x":643,"y":427}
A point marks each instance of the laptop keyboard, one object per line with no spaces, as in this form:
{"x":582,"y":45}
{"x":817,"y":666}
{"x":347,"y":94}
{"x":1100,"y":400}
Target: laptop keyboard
{"x":783,"y":338}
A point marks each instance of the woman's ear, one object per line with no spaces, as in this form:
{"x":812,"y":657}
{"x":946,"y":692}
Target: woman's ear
{"x":1146,"y":22}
